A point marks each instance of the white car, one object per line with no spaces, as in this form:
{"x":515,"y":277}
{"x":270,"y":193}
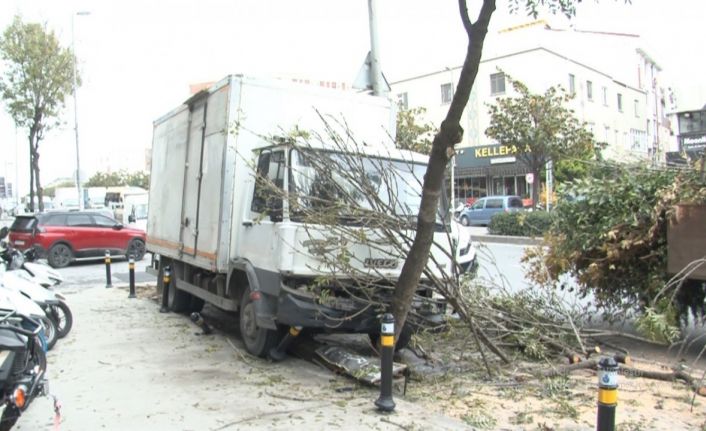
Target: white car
{"x":465,"y":249}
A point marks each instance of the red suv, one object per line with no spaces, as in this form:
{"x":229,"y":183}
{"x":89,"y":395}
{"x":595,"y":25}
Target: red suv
{"x":62,"y":237}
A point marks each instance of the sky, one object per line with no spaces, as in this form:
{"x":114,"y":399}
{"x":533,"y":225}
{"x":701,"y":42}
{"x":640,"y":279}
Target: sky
{"x":137,"y":58}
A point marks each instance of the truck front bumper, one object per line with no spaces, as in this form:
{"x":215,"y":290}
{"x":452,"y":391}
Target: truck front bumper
{"x":345,"y":315}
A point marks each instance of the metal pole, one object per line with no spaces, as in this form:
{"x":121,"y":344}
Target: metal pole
{"x":453,"y":182}
{"x":107,"y":269}
{"x":75,"y":84}
{"x":379,"y":89}
{"x":131,"y":268}
{"x":280,"y":352}
{"x":607,"y":394}
{"x":387,"y":347}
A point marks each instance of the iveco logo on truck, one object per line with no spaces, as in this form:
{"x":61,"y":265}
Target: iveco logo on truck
{"x":380,"y":263}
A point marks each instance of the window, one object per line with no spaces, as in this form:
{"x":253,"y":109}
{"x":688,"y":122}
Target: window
{"x":478,"y":205}
{"x":402,"y":101}
{"x":447,"y":93}
{"x":572,"y":84}
{"x":56,"y":220}
{"x":620,"y":102}
{"x":494,"y":203}
{"x":605,"y":96}
{"x":83,"y":220}
{"x":497,"y":83}
{"x":637,"y":108}
{"x":270,"y":172}
{"x":514,"y":203}
{"x":589,"y":90}
{"x":103,"y":221}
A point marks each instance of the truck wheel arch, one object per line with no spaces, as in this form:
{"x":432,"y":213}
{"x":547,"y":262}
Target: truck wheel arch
{"x":241,"y":275}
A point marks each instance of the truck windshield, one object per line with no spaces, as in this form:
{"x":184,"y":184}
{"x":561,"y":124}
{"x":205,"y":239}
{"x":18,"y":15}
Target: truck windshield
{"x":328,"y":179}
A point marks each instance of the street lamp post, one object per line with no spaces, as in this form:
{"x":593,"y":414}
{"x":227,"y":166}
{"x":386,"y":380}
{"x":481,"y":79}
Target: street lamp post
{"x":75,"y":84}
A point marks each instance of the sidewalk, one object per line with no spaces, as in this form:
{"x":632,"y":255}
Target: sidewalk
{"x":480,"y":235}
{"x":125,"y":366}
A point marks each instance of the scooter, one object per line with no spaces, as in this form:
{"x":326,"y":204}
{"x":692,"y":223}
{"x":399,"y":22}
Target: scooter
{"x":27,"y":261}
{"x":37,"y":302}
{"x":18,"y":277}
{"x":23,"y":362}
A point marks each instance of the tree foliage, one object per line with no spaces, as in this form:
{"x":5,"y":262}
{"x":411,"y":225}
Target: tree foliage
{"x":118,"y":179}
{"x":539,"y":128}
{"x":37,"y":78}
{"x":413,"y":134}
{"x":611,"y":235}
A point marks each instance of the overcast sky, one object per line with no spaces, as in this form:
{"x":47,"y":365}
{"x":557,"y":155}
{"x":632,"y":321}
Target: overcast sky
{"x":137,"y":58}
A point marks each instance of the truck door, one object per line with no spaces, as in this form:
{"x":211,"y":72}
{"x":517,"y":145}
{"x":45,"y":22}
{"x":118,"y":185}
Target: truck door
{"x":188,"y":237}
{"x":260,"y":234}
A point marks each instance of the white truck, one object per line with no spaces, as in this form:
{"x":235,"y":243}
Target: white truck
{"x":206,"y":222}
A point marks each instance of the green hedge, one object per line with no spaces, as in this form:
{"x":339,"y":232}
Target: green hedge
{"x":521,"y":223}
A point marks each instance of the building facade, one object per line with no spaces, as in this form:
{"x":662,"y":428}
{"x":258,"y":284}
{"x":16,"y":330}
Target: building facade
{"x":625,"y":113}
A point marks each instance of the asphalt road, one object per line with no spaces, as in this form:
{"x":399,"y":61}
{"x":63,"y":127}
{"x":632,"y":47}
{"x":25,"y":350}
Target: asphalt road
{"x":92,"y":273}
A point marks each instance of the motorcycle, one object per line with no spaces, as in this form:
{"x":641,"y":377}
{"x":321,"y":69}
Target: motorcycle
{"x":23,"y":362}
{"x":35,"y":283}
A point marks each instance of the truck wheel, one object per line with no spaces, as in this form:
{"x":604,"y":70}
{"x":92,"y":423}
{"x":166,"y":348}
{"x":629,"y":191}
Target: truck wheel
{"x":177,"y":300}
{"x":258,"y":341}
{"x":196,"y":304}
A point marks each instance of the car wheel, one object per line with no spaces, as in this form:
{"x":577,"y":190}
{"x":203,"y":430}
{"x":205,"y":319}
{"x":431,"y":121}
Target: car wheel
{"x":136,"y":249}
{"x":464,"y":220}
{"x":60,"y":256}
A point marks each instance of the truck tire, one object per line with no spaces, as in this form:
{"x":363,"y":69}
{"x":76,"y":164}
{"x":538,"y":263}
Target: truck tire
{"x":258,"y":341}
{"x":177,"y":300}
{"x":196,"y":304}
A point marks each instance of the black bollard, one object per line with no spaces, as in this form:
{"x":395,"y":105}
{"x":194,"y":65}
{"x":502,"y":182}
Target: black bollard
{"x":108,"y":283}
{"x":387,"y":350}
{"x":280,"y":352}
{"x":198,"y":320}
{"x":166,"y":278}
{"x":131,"y":269}
{"x":607,"y":394}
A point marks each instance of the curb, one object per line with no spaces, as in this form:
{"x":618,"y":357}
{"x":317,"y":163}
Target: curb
{"x":503,"y":239}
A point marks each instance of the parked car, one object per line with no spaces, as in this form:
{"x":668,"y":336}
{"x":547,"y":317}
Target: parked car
{"x":65,"y":236}
{"x":485,"y":208}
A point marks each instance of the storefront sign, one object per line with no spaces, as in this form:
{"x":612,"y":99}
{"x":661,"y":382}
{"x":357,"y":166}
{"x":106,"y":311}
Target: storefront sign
{"x":694,"y":143}
{"x":500,"y":160}
{"x":497,"y":150}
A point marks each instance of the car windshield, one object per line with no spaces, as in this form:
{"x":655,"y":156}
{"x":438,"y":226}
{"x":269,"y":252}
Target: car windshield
{"x":318,"y":177}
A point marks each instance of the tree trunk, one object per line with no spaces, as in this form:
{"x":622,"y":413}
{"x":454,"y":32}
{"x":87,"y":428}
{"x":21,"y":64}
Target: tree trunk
{"x":35,"y":157}
{"x":450,"y":133}
{"x":31,"y":171}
